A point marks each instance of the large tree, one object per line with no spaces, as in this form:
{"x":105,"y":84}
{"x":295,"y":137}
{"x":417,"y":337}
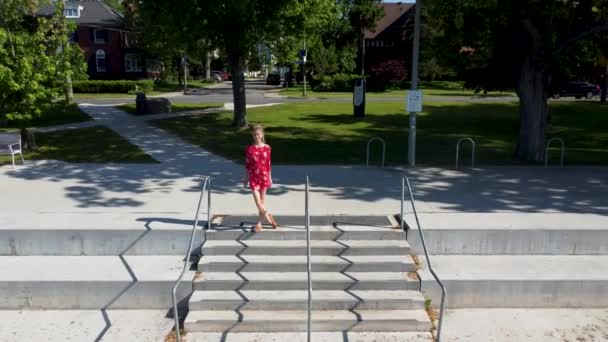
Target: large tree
{"x":363,"y":16}
{"x":35,"y":60}
{"x":235,"y":25}
{"x":516,"y":44}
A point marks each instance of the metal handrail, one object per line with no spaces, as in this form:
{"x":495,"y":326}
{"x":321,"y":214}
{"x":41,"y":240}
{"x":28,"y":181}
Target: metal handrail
{"x":426,"y":253}
{"x":187,"y":262}
{"x":472,"y":150}
{"x":563,"y":151}
{"x":383,"y":149}
{"x":306,"y":213}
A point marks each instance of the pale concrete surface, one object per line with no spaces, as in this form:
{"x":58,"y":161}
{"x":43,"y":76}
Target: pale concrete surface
{"x":523,"y":325}
{"x":91,"y":282}
{"x":522,"y":281}
{"x":316,"y":337}
{"x":84,"y":325}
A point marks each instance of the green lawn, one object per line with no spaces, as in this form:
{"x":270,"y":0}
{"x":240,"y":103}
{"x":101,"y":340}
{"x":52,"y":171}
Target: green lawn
{"x":437,"y":88}
{"x":176,"y":107}
{"x":327,"y":133}
{"x":54,"y":114}
{"x":86,"y":145}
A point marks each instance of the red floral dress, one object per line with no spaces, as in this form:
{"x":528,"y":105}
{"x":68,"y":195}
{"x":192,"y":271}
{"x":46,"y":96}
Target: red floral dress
{"x":258,"y":167}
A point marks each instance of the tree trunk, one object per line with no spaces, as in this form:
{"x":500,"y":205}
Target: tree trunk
{"x":69,"y":90}
{"x":207,"y":64}
{"x":179,"y":71}
{"x":533,"y":111}
{"x":238,"y":89}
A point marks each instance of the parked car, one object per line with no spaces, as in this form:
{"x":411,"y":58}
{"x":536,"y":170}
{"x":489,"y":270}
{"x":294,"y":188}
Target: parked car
{"x":577,"y":89}
{"x":216,"y":76}
{"x":223,"y":74}
{"x":273,"y":79}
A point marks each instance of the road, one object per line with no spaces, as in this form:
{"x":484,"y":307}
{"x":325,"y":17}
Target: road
{"x":257,"y":92}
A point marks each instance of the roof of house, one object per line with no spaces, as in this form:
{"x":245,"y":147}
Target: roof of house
{"x":94,"y":12}
{"x":392,"y":13}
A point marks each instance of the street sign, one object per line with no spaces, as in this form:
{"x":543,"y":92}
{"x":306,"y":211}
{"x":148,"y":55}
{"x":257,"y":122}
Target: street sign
{"x":303,"y":53}
{"x":414,"y":101}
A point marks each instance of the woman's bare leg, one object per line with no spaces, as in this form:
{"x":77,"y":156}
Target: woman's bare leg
{"x":261,"y":210}
{"x":266,"y":214}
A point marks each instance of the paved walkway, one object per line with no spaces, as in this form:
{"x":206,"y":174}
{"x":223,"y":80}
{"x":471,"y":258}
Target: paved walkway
{"x":172,"y":185}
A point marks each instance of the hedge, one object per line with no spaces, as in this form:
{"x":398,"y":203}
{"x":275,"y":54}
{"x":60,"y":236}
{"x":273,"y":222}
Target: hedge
{"x":122,"y":86}
{"x":337,"y":82}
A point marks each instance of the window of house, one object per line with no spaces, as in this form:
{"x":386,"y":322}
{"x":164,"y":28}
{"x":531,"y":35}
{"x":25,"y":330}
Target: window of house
{"x":100,"y":60}
{"x":72,"y":12}
{"x":99,"y":36}
{"x":133,"y":63}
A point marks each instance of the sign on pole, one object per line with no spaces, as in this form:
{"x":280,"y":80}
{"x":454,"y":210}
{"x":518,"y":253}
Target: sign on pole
{"x":414,"y":101}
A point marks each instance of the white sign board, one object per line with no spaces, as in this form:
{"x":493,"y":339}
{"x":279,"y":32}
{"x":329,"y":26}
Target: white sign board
{"x":414,"y":101}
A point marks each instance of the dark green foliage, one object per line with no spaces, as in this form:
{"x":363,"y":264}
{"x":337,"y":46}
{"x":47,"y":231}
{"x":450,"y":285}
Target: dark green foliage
{"x":122,"y":86}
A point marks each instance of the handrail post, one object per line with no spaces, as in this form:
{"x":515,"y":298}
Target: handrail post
{"x":428,"y":261}
{"x":383,"y":150}
{"x":472,"y":151}
{"x":306,"y":212}
{"x":402,"y":200}
{"x":187,"y":261}
{"x":562,"y":152}
{"x":209,"y":205}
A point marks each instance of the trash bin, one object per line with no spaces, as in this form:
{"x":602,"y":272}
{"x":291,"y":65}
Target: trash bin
{"x":140,"y":104}
{"x":359,"y":98}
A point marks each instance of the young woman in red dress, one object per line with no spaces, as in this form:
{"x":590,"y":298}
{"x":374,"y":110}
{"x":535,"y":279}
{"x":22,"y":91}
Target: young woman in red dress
{"x":259,"y":174}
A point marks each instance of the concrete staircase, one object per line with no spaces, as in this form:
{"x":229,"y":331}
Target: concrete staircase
{"x":363,"y":280}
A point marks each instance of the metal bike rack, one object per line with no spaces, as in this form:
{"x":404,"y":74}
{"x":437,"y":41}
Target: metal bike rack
{"x":562,"y":152}
{"x":472,"y":151}
{"x":383,"y":149}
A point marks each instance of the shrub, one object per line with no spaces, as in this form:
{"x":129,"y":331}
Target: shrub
{"x":337,"y":82}
{"x":121,"y":86}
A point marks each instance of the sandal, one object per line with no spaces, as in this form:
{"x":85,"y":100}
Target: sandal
{"x":257,"y":228}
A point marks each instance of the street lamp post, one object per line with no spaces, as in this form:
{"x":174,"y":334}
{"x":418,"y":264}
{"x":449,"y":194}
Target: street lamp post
{"x":411,"y":153}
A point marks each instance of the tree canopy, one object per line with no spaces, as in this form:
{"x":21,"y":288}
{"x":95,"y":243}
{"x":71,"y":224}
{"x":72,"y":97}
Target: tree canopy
{"x":519,"y":44}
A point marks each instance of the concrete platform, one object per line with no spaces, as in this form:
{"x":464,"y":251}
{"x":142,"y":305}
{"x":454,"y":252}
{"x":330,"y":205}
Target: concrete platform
{"x":84,"y":325}
{"x":511,"y":234}
{"x":97,"y":234}
{"x":91,"y":282}
{"x":538,"y":325}
{"x":519,"y":281}
{"x":342,"y":232}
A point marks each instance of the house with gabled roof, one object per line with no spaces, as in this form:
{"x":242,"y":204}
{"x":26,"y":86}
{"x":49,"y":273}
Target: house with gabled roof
{"x":110,"y":49}
{"x":388,"y":48}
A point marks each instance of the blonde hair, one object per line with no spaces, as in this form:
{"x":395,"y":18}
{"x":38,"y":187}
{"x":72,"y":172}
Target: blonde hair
{"x":258,"y":128}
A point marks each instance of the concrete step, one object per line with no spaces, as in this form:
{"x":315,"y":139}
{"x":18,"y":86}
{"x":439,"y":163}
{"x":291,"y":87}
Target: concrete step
{"x":298,"y":247}
{"x":298,"y":300}
{"x":521,"y":281}
{"x":290,"y":263}
{"x":91,"y":282}
{"x":511,"y":233}
{"x":299,"y":281}
{"x":317,"y":337}
{"x":295,"y":321}
{"x":97,"y":234}
{"x":343,"y":232}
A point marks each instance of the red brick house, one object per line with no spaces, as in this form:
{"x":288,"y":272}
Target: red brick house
{"x":110,"y":50}
{"x":388,"y":49}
